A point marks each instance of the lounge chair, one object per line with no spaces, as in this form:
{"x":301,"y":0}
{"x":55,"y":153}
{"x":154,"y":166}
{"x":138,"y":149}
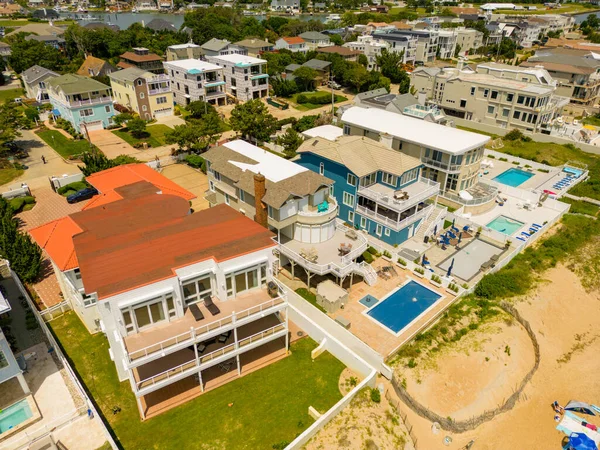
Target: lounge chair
{"x":223,"y":337}
{"x":201,"y":347}
{"x":536,"y":225}
{"x":521,"y":239}
{"x":196,"y":312}
{"x":351,"y":234}
{"x":212,"y":308}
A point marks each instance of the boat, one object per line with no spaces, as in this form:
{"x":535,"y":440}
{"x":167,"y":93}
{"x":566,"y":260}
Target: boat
{"x":86,"y":17}
{"x":81,"y":10}
{"x":333,"y":18}
{"x":134,"y":10}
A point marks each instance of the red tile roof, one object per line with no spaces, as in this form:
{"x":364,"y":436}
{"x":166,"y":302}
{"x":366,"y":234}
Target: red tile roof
{"x":293,"y":40}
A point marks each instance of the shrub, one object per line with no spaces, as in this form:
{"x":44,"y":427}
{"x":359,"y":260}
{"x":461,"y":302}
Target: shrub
{"x":436,"y":279}
{"x":401,"y":262}
{"x":544,"y":170}
{"x":453,"y":287}
{"x":503,"y":159}
{"x":514,"y":135}
{"x":491,"y":156}
{"x":516,"y":163}
{"x":387,"y":254}
{"x":76,"y":186}
{"x":372,"y":251}
{"x":301,"y":99}
{"x":196,"y":161}
{"x":18,"y":203}
{"x":318,"y":98}
{"x":411,"y":363}
{"x":420,"y":270}
{"x":375,"y":395}
{"x":286,"y":121}
{"x":368,"y":257}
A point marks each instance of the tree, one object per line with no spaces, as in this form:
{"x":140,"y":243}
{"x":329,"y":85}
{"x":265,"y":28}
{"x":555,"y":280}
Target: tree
{"x":356,"y":76}
{"x":290,"y":141}
{"x":305,"y":78}
{"x":11,"y":120}
{"x":25,"y":54}
{"x":283,"y":87}
{"x":253,"y":120}
{"x":363,"y":60}
{"x":457,"y":50}
{"x":137,"y":127}
{"x":200,"y":108}
{"x":96,"y":161}
{"x":197,"y":135}
{"x":336,"y":39}
{"x":119,"y":119}
{"x":390,"y":66}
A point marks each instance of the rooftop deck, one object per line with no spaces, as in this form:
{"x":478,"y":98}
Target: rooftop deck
{"x":415,"y":193}
{"x":178,"y":333}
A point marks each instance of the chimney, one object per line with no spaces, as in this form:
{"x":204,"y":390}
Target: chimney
{"x":460,"y":65}
{"x":259,"y":192}
{"x":386,"y":139}
{"x":421,"y":97}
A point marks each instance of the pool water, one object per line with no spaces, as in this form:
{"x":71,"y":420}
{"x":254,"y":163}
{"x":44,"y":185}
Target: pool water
{"x":403,"y":306}
{"x":505,"y":225}
{"x":513,"y":177}
{"x":368,"y":301}
{"x":14,"y":415}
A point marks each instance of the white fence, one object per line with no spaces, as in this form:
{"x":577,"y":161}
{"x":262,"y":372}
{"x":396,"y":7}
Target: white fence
{"x":22,"y":191}
{"x":89,"y":408}
{"x":55,"y":311}
{"x":166,"y":160}
{"x":58,"y":182}
{"x":522,"y":162}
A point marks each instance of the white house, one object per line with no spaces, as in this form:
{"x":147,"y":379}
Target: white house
{"x":192,"y":80}
{"x":245,"y":76}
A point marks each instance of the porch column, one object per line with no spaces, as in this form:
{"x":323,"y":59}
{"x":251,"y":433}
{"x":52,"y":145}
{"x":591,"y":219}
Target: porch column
{"x":287,"y":329}
{"x":351,"y":280}
{"x":292,"y":263}
{"x":239,"y":367}
{"x":23,"y":384}
{"x":308,"y":281}
{"x":195,"y":347}
{"x":200,"y":381}
{"x":140,"y":408}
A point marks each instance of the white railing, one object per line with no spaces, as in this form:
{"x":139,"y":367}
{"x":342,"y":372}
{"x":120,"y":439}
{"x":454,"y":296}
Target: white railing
{"x":386,"y":220}
{"x":91,"y":101}
{"x":159,"y":91}
{"x":216,"y":354}
{"x":167,"y":374}
{"x":493,"y":193}
{"x":195,"y":334}
{"x":441,"y":165}
{"x":261,"y":335}
{"x":389,"y":200}
{"x":394,"y":224}
{"x":429,"y":231}
{"x":332,"y":206}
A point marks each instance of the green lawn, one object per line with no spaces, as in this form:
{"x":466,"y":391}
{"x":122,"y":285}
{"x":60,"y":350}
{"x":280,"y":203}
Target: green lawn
{"x":270,"y":406}
{"x":309,"y":106}
{"x":8,"y":174}
{"x":592,"y":120}
{"x":156,"y":136}
{"x":63,"y":146}
{"x":7,"y":95}
{"x":580,"y":207}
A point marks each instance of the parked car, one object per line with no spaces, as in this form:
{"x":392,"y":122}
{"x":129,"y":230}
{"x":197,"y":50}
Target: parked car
{"x":84,"y":194}
{"x":334,"y":85}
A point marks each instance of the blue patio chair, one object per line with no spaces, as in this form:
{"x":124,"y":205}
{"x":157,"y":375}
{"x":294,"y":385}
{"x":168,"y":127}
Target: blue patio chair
{"x":323,"y":207}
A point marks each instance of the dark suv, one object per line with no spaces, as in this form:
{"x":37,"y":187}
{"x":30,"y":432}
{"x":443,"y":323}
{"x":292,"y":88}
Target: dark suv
{"x":83,"y":194}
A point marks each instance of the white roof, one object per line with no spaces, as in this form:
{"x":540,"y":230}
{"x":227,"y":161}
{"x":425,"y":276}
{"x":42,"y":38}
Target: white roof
{"x":329,"y":132}
{"x":191,"y":64}
{"x":236,"y":58}
{"x":188,"y":45}
{"x":420,"y":132}
{"x":498,"y":6}
{"x":273,"y":167}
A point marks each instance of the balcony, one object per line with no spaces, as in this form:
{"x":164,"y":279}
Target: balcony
{"x":313,"y":216}
{"x":417,"y":192}
{"x":446,"y":167}
{"x":186,"y":362}
{"x":165,"y":90}
{"x":481,"y":193}
{"x":158,"y":341}
{"x":90,"y":101}
{"x":394,"y":224}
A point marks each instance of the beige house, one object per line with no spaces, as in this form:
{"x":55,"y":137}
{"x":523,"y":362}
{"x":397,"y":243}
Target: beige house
{"x":493,"y":94}
{"x":468,"y":40}
{"x":146,"y":93}
{"x":255,"y":47}
{"x":184,"y":51}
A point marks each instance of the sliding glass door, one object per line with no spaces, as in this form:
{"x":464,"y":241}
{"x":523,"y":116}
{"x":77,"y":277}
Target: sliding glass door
{"x":149,"y":313}
{"x":245,"y":280}
{"x":197,"y":289}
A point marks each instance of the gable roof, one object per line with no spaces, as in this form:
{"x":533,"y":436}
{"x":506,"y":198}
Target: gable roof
{"x":39,"y":29}
{"x":160,"y":25}
{"x":215,"y":45}
{"x":240,"y":161}
{"x":76,"y":84}
{"x":361,"y":155}
{"x":35,"y":73}
{"x":94,"y":64}
{"x":314,"y":36}
{"x":131,"y":56}
{"x":340,"y":50}
{"x":129,"y":74}
{"x":317,"y":64}
{"x":254,"y":43}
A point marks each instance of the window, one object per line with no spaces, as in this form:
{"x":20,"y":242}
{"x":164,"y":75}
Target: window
{"x":86,"y":112}
{"x":139,"y":82}
{"x":517,"y":115}
{"x":144,"y":108}
{"x":486,"y":93}
{"x":520,"y":99}
{"x":197,"y":289}
{"x":143,"y":315}
{"x":387,"y":232}
{"x":490,"y":109}
{"x":463,"y":103}
{"x":409,"y":176}
{"x":211,"y":186}
{"x":245,"y":280}
{"x":472,"y":90}
{"x":321,"y":169}
{"x":3,"y":360}
{"x":142,"y":95}
{"x":388,"y":178}
{"x":347,"y":129}
{"x":242,"y":195}
{"x":368,"y":180}
{"x":351,"y":217}
{"x":451,"y":182}
{"x":348,"y":199}
{"x":379,"y":230}
{"x":505,"y":112}
{"x":510,"y":97}
{"x":331,"y":190}
{"x":494,"y":95}
{"x":227,"y":201}
{"x":107,"y":108}
{"x":351,"y":179}
{"x":42,"y":85}
{"x":89,"y":300}
{"x":161,"y":100}
{"x":363,"y":222}
{"x":77,"y":273}
{"x":217,"y":176}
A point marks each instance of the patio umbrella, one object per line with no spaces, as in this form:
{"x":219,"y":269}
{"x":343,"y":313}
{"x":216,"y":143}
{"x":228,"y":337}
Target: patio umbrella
{"x":453,"y":220}
{"x":423,"y":260}
{"x":435,"y":230}
{"x":459,"y":236}
{"x":450,"y":268}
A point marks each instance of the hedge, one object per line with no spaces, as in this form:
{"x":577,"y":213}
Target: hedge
{"x":68,"y":188}
{"x":318,"y":98}
{"x":18,"y":203}
{"x":196,"y":161}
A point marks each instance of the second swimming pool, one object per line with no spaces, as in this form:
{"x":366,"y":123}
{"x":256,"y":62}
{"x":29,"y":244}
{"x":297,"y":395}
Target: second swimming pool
{"x":513,"y":177}
{"x":14,"y":415}
{"x":505,"y":225}
{"x":403,"y":306}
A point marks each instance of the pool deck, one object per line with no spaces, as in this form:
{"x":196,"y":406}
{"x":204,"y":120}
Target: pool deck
{"x":377,"y":336}
{"x":535,"y":182}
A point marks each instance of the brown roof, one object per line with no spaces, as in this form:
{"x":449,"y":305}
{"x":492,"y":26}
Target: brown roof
{"x":576,"y":44}
{"x":402,"y":25}
{"x":93,"y":63}
{"x":299,"y":185}
{"x":131,"y":56}
{"x":344,"y":51}
{"x":457,"y":10}
{"x":559,"y":67}
{"x":127,"y":244}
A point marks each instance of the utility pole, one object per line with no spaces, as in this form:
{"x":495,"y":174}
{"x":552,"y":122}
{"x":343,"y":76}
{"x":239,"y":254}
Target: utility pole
{"x":332,"y":94}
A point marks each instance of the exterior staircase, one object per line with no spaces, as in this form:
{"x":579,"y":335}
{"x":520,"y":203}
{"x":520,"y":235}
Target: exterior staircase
{"x":427,"y":224}
{"x":367,"y":272}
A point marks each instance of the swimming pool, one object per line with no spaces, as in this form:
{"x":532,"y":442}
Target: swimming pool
{"x":14,"y":415}
{"x":505,"y":225}
{"x":403,"y":306}
{"x":513,"y":177}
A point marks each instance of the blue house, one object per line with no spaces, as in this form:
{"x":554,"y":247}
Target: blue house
{"x":83,"y":101}
{"x":378,"y":189}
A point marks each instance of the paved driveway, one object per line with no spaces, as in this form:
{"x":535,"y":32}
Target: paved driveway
{"x":111,"y":145}
{"x":192,"y":180}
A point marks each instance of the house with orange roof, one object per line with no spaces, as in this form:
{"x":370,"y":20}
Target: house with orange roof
{"x":292,"y":43}
{"x":94,"y":67}
{"x":175,"y":293}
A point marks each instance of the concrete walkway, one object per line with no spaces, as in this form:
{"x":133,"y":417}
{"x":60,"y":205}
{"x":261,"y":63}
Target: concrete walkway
{"x":191,"y":179}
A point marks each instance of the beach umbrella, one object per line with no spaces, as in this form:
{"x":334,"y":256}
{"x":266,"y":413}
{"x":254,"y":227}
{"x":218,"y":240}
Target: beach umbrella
{"x":453,"y":221}
{"x":435,"y":230}
{"x":423,"y":260}
{"x":450,"y":268}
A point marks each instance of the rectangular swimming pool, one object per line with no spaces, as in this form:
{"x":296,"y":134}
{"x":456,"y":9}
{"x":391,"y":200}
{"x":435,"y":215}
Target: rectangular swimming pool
{"x":513,"y":177}
{"x":14,"y":415}
{"x":505,"y":225}
{"x":403,"y":305}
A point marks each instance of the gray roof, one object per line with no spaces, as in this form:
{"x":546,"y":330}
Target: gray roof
{"x":292,"y":67}
{"x":429,"y":71}
{"x":314,"y":36}
{"x":76,"y":84}
{"x":35,"y":73}
{"x":401,"y":101}
{"x":299,"y":185}
{"x":129,"y":74}
{"x":160,"y":25}
{"x":317,"y":64}
{"x":254,"y":43}
{"x":371,"y":94}
{"x":45,"y":38}
{"x":215,"y":45}
{"x":577,"y":58}
{"x":100,"y":25}
{"x":285,"y":3}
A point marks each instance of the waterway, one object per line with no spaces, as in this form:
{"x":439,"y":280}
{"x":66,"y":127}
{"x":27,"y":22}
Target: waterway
{"x":124,"y":19}
{"x":581,"y":17}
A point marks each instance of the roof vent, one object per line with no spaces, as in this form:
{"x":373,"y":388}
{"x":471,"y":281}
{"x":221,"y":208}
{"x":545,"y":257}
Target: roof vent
{"x":316,"y":141}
